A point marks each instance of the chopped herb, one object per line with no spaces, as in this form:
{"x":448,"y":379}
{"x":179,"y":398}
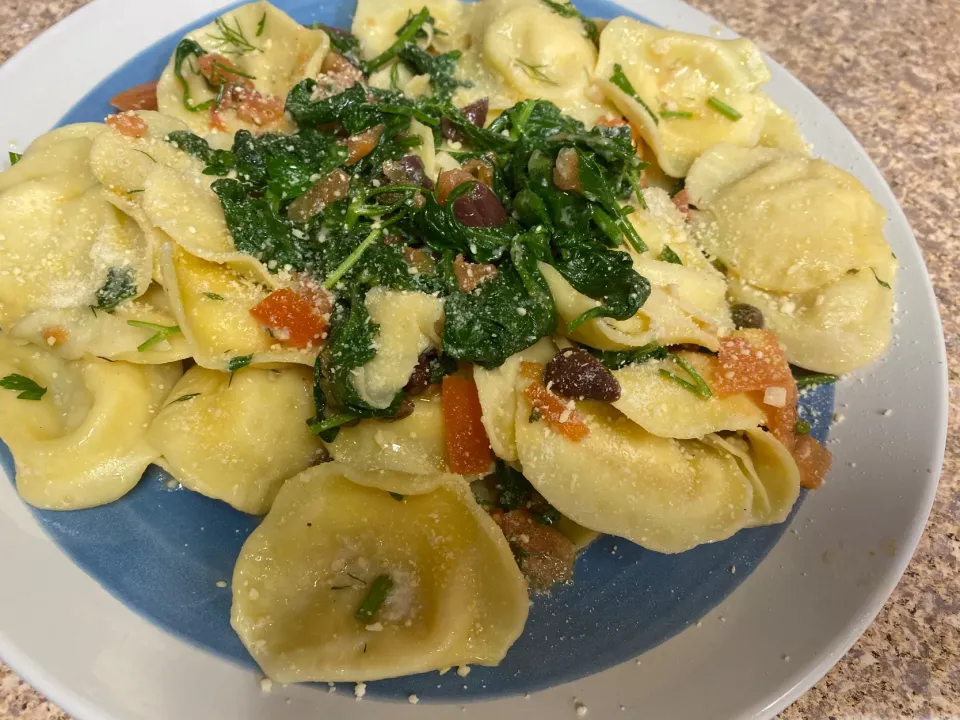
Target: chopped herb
{"x":119,"y":286}
{"x":134,"y":192}
{"x":721,"y":107}
{"x":440,"y":68}
{"x":375,"y":597}
{"x":813,"y":379}
{"x":233,"y":69}
{"x":359,"y":580}
{"x":28,"y":389}
{"x":534,"y":416}
{"x":143,"y":152}
{"x":567,"y":10}
{"x":550,"y":516}
{"x":233,"y":37}
{"x":214,"y":296}
{"x":623,"y":82}
{"x":14,"y":157}
{"x":161,"y":333}
{"x":185,"y":50}
{"x":669,"y":256}
{"x":397,"y":496}
{"x":513,"y":488}
{"x":802,"y":428}
{"x":406,"y":34}
{"x":534,"y":72}
{"x":395,"y":76}
{"x":238,"y":363}
{"x":634,"y":178}
{"x":698,"y":387}
{"x":184,"y":398}
{"x":881,"y":282}
{"x":676,"y":114}
{"x":616,"y":359}
{"x":262,"y":24}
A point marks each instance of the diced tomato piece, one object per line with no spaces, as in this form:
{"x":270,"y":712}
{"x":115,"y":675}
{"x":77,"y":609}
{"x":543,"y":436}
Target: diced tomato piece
{"x":682,"y":201}
{"x":362,"y":144}
{"x":544,"y":554}
{"x":471,"y":275}
{"x":218,"y":70}
{"x":450,"y":179}
{"x":782,"y":421}
{"x":55,"y":335}
{"x":813,"y":460}
{"x":751,"y":360}
{"x":557,"y":412}
{"x":468,"y":447}
{"x":258,"y":108}
{"x":300,"y":321}
{"x":128,"y":125}
{"x":141,"y":97}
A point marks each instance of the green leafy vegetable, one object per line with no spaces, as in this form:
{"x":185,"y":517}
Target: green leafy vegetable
{"x":534,"y":72}
{"x":406,"y":34}
{"x":440,"y":68}
{"x":597,"y":188}
{"x":676,"y":115}
{"x":513,"y":488}
{"x":397,"y":496}
{"x":376,"y":595}
{"x":262,"y":24}
{"x":120,"y":286}
{"x":623,"y":82}
{"x":214,"y":296}
{"x":233,"y":37}
{"x":27,"y":388}
{"x":14,"y":157}
{"x":184,"y":398}
{"x":721,"y":107}
{"x":879,"y":281}
{"x":567,"y":10}
{"x":238,"y":363}
{"x":698,"y":386}
{"x":616,"y":359}
{"x":185,"y":50}
{"x":161,"y":333}
{"x":669,"y":256}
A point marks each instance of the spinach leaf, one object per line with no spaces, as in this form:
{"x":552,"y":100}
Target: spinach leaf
{"x":307,"y":111}
{"x":219,"y":162}
{"x":504,"y":315}
{"x":441,"y":231}
{"x":605,"y":275}
{"x":597,"y":188}
{"x":185,"y":50}
{"x":616,"y":359}
{"x":120,"y":286}
{"x":407,"y":33}
{"x":440,"y":68}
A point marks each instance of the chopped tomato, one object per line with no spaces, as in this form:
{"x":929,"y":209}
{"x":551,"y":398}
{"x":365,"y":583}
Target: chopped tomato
{"x":141,"y":97}
{"x":813,"y":460}
{"x":127,"y":124}
{"x":557,"y":412}
{"x":300,"y":321}
{"x":55,"y":335}
{"x":471,"y":275}
{"x":751,"y":360}
{"x":782,"y":421}
{"x":362,"y":144}
{"x":257,"y":108}
{"x":544,"y":554}
{"x":450,"y":179}
{"x":468,"y":447}
{"x":682,"y":202}
{"x":217,"y":71}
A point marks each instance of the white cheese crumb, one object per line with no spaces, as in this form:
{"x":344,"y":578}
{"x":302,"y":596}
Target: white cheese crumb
{"x":266,"y":685}
{"x":360,"y":689}
{"x":221,"y":583}
{"x":887,"y":413}
{"x":463,"y":670}
{"x":413,"y":699}
{"x":838,"y":418}
{"x":775,"y":396}
{"x":581,"y":708}
{"x":376,"y":627}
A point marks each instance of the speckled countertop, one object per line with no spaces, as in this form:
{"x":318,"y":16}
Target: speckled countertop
{"x":891,"y":70}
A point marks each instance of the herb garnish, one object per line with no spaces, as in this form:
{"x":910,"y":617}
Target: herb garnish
{"x":623,"y":82}
{"x":676,"y":114}
{"x":879,"y":281}
{"x":119,"y":286}
{"x":376,"y":595}
{"x":234,"y":37}
{"x":534,"y":72}
{"x":698,"y":387}
{"x":406,"y":34}
{"x":28,"y":389}
{"x":669,"y":256}
{"x":567,"y":10}
{"x":238,"y":363}
{"x":721,"y":107}
{"x":213,"y":296}
{"x":161,"y":333}
{"x":14,"y":157}
{"x":262,"y":24}
{"x":184,"y":398}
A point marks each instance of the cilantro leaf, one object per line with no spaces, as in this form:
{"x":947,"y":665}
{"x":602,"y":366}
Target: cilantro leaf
{"x":27,"y":388}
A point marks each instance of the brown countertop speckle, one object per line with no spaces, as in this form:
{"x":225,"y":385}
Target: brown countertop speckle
{"x":891,"y":70}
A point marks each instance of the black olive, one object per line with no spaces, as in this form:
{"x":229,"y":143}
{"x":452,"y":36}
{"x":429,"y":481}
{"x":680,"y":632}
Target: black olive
{"x":404,"y":410}
{"x":479,"y":207}
{"x":578,"y":374}
{"x":475,"y":113}
{"x":420,"y":380}
{"x":746,"y":316}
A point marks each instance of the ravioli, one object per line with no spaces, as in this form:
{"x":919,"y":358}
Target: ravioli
{"x":74,"y":333}
{"x":212,"y":304}
{"x":673,"y":72}
{"x":60,"y":240}
{"x":664,"y":494}
{"x":408,"y":326}
{"x":83,"y":444}
{"x":664,"y":408}
{"x":456,"y":595}
{"x":265,"y":47}
{"x":237,"y":437}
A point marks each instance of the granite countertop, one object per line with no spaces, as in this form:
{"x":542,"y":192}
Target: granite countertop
{"x":891,"y":71}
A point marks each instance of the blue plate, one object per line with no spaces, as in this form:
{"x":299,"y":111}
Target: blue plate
{"x":162,"y":551}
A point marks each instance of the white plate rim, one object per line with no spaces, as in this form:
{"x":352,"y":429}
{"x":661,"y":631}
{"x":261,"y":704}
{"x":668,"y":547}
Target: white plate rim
{"x":109,"y":670}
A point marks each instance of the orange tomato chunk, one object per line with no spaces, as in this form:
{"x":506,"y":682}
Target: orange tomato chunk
{"x":751,"y":360}
{"x":298,"y":321}
{"x":141,"y":97}
{"x":813,"y":460}
{"x":468,"y":447}
{"x":127,"y":124}
{"x":557,"y":412}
